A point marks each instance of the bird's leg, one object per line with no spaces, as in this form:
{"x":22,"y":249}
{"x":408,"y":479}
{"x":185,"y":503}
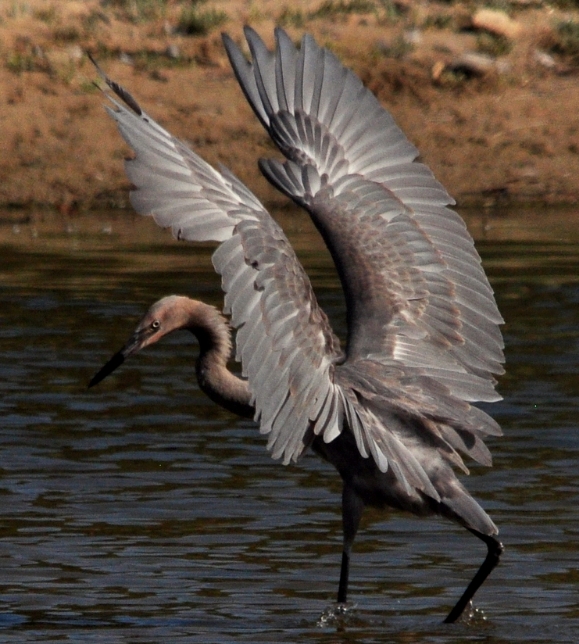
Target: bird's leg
{"x":352,"y":508}
{"x":495,"y":549}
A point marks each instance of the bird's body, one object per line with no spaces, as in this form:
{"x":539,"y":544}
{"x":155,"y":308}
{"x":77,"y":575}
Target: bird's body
{"x":392,"y":410}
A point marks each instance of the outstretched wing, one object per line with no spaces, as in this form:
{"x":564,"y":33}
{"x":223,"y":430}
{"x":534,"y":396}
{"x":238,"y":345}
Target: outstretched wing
{"x":416,"y":293}
{"x":284,"y":340}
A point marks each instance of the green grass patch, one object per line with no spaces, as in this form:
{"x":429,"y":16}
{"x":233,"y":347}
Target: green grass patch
{"x":566,"y":39}
{"x":493,"y":44}
{"x":330,"y":8}
{"x":291,"y":18}
{"x":138,"y":10}
{"x":195,"y":21}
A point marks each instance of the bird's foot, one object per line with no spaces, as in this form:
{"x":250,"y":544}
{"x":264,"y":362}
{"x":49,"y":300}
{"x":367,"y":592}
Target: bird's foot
{"x":336,"y":615}
{"x":472,"y":615}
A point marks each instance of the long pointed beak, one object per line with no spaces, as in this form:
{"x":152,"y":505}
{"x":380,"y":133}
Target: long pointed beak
{"x":132,"y":346}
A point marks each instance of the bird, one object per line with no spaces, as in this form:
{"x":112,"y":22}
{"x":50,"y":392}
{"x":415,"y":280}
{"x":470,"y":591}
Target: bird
{"x":392,"y":406}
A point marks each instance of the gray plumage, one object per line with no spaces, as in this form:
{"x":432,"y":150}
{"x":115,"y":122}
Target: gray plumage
{"x":392,"y":409}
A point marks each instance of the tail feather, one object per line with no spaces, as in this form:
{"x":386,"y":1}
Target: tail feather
{"x":463,"y":508}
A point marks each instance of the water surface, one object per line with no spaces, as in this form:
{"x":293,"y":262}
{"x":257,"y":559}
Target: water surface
{"x":140,"y":512}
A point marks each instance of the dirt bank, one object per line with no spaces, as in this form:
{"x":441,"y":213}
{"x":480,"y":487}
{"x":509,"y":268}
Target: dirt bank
{"x":501,"y":127}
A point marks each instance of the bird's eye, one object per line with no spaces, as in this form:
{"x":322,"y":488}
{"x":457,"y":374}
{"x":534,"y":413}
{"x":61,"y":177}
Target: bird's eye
{"x":156,"y":324}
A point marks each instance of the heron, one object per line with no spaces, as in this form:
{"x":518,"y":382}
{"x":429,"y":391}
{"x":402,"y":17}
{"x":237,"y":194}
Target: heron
{"x":391,"y":408}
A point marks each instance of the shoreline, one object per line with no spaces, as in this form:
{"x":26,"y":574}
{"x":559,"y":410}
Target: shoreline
{"x":501,"y":135}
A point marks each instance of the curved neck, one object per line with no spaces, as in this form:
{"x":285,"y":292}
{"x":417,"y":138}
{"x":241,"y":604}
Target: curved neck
{"x":213,"y":334}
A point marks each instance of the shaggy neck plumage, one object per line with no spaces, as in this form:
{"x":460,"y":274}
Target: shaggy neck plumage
{"x":213,"y":334}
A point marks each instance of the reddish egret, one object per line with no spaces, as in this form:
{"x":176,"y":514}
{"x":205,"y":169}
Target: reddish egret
{"x":391,"y":411}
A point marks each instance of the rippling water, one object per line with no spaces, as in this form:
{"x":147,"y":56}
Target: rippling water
{"x":140,"y":512}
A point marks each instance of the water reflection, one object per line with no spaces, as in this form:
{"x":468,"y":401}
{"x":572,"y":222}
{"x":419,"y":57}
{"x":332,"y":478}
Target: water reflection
{"x":142,"y":511}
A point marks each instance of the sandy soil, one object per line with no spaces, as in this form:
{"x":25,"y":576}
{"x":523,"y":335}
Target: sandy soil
{"x":493,"y":131}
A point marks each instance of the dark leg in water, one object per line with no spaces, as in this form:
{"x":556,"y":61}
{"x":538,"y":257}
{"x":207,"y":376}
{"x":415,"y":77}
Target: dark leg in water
{"x":495,"y":549}
{"x":352,"y":508}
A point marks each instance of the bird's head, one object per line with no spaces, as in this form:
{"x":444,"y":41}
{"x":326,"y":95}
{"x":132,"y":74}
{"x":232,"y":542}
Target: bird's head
{"x":162,"y":318}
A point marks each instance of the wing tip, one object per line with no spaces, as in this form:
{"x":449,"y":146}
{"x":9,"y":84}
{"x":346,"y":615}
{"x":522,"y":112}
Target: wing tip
{"x":118,"y":89}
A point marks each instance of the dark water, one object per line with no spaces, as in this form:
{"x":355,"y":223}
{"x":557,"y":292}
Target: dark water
{"x":139,"y":512}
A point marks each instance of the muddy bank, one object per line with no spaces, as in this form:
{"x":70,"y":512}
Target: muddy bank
{"x":498,"y":128}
